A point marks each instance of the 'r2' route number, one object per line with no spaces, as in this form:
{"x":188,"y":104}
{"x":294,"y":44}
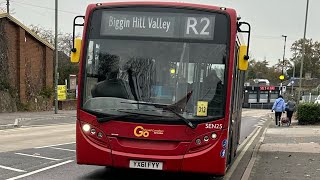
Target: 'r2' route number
{"x":192,"y":23}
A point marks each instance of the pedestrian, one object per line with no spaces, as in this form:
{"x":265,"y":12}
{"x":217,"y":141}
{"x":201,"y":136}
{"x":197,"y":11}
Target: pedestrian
{"x":279,"y":107}
{"x":290,"y":108}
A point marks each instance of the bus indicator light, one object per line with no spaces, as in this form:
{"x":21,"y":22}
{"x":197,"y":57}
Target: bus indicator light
{"x":198,"y":141}
{"x":100,"y":135}
{"x":93,"y":131}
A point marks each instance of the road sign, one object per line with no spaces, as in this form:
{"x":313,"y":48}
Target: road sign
{"x":62,"y":92}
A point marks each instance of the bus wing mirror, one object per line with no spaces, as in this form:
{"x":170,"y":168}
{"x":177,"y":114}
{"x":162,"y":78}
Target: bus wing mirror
{"x":75,"y":52}
{"x":243,"y":59}
{"x":76,"y":44}
{"x":244,"y":50}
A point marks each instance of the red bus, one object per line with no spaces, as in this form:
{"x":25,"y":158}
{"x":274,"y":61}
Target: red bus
{"x":160,"y":86}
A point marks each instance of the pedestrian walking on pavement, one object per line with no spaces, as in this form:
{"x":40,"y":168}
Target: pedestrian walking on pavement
{"x":279,"y":107}
{"x":290,"y":108}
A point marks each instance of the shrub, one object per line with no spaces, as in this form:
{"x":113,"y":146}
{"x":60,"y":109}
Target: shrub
{"x":308,"y":113}
{"x":47,"y":92}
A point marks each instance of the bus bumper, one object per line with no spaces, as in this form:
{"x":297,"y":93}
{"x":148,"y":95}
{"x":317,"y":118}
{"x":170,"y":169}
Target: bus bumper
{"x":211,"y":160}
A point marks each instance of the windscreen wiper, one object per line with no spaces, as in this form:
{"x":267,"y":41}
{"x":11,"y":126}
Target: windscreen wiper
{"x":171,"y":108}
{"x":104,"y":117}
{"x":166,"y":107}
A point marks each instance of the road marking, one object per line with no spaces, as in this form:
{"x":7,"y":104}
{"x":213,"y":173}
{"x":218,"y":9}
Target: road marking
{"x":248,"y":170}
{"x":237,"y":161}
{"x":54,"y":145}
{"x":45,"y":125}
{"x":36,"y":156}
{"x":63,"y":149}
{"x":12,"y":169}
{"x":247,"y":139}
{"x":40,"y":170}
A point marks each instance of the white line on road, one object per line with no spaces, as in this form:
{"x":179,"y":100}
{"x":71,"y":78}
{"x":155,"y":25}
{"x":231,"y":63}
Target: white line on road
{"x":54,"y":145}
{"x":63,"y":149}
{"x":247,"y":138}
{"x":40,"y":170}
{"x":237,"y":161}
{"x":248,"y":170}
{"x":12,"y":169}
{"x":36,"y":156}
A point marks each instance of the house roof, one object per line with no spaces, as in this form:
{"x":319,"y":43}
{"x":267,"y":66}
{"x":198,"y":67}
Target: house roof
{"x":14,"y":20}
{"x":313,"y":82}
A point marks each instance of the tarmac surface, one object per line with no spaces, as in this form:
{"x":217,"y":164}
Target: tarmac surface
{"x":19,"y":119}
{"x":288,"y":153}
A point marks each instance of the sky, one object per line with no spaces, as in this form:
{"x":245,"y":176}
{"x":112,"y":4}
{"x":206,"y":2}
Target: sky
{"x":270,"y":19}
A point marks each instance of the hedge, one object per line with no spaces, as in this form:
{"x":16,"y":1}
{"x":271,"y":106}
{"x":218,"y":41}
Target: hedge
{"x":308,"y":113}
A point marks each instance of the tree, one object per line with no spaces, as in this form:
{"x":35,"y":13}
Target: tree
{"x":260,"y":70}
{"x":311,"y":63}
{"x":283,"y":64}
{"x":257,"y":69}
{"x":64,"y":39}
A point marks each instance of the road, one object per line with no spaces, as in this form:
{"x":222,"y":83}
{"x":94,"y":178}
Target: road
{"x":48,"y":152}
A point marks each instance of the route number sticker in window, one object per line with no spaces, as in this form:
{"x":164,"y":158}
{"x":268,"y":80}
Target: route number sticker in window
{"x":202,"y":108}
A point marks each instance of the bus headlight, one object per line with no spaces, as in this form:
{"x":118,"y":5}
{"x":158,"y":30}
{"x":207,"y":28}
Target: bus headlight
{"x":214,"y":136}
{"x":86,"y":128}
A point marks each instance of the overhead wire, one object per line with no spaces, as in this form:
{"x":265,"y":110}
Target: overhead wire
{"x":44,"y":7}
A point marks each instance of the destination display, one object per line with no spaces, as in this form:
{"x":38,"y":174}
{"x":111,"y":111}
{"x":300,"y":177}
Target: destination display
{"x":147,"y":24}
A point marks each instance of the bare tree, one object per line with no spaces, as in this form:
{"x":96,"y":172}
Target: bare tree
{"x":64,"y":39}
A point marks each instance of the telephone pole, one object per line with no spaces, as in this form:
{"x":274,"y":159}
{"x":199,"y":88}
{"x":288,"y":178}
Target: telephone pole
{"x":8,"y":7}
{"x":303,"y":49}
{"x":56,"y":60}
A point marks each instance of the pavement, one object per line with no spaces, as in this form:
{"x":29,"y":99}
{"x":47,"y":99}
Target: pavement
{"x":286,"y":153}
{"x":18,"y":119}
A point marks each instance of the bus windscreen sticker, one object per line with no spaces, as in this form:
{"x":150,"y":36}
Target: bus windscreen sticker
{"x":147,"y":24}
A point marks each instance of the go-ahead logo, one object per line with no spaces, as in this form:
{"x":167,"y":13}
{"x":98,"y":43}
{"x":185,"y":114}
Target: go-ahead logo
{"x":140,"y":131}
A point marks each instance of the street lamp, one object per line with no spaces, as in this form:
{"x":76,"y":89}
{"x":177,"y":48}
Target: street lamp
{"x":284,"y":54}
{"x":303,"y":47}
{"x":284,"y":51}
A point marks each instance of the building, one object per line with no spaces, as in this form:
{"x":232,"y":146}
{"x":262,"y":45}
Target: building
{"x":259,"y":94}
{"x":26,"y":62}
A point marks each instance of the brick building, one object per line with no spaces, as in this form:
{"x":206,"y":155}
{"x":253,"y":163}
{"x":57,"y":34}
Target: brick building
{"x":26,"y":60}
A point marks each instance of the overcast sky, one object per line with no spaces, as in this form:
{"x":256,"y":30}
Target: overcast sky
{"x":270,"y":19}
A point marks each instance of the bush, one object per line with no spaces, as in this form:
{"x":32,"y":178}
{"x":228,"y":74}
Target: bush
{"x":308,"y":113}
{"x":47,"y":92}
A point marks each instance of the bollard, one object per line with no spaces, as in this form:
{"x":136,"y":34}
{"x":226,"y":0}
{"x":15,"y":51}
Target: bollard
{"x":17,"y":122}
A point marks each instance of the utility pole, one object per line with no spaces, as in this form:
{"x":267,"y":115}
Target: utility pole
{"x":293,"y":78}
{"x":303,"y":48}
{"x":8,"y":6}
{"x":56,"y":60}
{"x":294,"y":73}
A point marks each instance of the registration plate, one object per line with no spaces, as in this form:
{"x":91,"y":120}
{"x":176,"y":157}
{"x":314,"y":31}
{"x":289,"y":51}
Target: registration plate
{"x":146,"y":165}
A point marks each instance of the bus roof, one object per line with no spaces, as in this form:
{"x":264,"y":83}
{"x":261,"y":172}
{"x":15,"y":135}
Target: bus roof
{"x":165,"y":4}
